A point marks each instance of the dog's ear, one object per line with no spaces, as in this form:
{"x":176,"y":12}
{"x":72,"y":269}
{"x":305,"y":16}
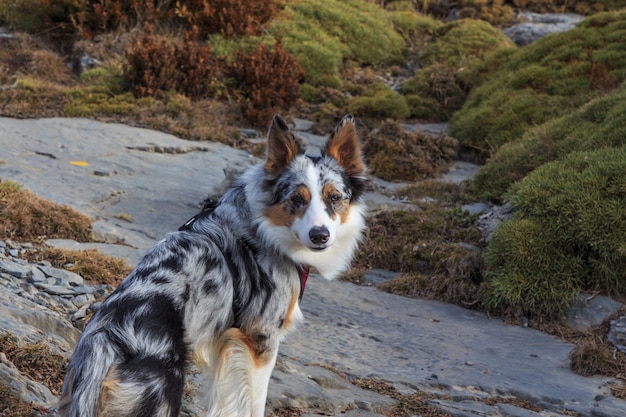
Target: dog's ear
{"x":282,"y":146}
{"x":344,"y":146}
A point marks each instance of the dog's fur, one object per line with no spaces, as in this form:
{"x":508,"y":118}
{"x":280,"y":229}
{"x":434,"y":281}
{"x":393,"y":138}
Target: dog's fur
{"x":225,"y":289}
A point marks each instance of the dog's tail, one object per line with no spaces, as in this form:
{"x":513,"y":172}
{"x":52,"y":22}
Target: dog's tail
{"x":84,"y":380}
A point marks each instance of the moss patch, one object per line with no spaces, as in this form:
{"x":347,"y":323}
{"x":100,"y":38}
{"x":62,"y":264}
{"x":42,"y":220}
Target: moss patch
{"x":435,"y":246}
{"x":92,"y":265}
{"x":452,"y":64}
{"x":597,"y":125}
{"x":36,"y":362}
{"x":325,"y":33}
{"x":567,"y":235}
{"x":547,"y":79}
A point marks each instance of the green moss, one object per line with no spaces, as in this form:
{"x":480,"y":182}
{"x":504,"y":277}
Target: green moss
{"x":324,"y":33}
{"x":414,"y":27}
{"x":379,"y":102}
{"x":597,"y":125}
{"x":547,"y":79}
{"x":567,"y":236}
{"x":452,"y":64}
{"x":38,"y":16}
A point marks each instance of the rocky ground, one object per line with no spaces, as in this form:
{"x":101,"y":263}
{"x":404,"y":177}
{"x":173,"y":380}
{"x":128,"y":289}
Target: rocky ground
{"x":139,"y":184}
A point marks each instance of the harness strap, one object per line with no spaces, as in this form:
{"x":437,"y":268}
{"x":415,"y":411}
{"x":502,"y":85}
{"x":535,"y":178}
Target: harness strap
{"x":304,"y":275}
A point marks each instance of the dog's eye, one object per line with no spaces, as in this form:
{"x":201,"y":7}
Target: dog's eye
{"x":335,"y":198}
{"x":297,"y":200}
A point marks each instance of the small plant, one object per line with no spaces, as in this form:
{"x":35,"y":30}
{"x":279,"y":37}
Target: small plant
{"x":156,"y":66}
{"x":267,"y":79}
{"x":228,"y":17}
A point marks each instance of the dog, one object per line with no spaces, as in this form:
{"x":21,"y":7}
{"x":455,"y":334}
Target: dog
{"x":225,"y":289}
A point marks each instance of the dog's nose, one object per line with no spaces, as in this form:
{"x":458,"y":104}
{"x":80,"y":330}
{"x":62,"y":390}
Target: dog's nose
{"x":319,"y":235}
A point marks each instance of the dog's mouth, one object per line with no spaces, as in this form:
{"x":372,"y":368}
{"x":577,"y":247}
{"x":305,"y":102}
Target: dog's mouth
{"x":318,"y":248}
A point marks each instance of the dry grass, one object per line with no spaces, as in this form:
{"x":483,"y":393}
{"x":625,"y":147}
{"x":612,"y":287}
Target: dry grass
{"x":27,"y":217}
{"x":408,"y":405}
{"x":36,"y":362}
{"x":90,"y":264}
{"x":593,"y":354}
{"x":436,"y":248}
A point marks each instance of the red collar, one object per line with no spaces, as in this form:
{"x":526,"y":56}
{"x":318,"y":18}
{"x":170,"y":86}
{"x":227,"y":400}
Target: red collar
{"x":304,"y":275}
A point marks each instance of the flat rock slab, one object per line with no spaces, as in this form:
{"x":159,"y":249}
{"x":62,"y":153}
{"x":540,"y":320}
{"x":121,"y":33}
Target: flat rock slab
{"x":136,"y":183}
{"x":438,"y":347}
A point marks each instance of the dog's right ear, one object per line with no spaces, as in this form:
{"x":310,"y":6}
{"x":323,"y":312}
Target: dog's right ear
{"x":282,"y":146}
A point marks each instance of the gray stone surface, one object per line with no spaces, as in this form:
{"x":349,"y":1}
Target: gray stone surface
{"x":535,"y":25}
{"x":156,"y":179}
{"x":588,"y":311}
{"x":617,"y":333}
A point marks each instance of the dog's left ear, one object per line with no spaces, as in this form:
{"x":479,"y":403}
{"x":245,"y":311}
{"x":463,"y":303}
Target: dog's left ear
{"x":282,"y":146}
{"x":344,"y":146}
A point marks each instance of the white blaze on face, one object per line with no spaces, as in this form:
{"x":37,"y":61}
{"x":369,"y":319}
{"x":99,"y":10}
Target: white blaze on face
{"x":316,"y":228}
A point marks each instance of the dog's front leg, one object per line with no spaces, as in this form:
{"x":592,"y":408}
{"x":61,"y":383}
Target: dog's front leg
{"x":242,"y":374}
{"x":261,"y":380}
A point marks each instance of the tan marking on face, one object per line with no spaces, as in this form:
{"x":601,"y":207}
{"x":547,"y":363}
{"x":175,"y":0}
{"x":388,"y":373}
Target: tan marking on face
{"x":285,"y":212}
{"x":340,"y":208}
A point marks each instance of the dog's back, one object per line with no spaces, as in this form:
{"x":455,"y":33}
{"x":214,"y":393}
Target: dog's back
{"x":225,"y":290}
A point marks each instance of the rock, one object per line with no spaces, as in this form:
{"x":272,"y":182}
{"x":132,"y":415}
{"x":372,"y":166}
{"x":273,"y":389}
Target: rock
{"x":61,"y":274}
{"x":156,"y":207}
{"x":617,"y":333}
{"x":15,"y":269}
{"x":489,"y":220}
{"x":588,"y":311}
{"x":535,"y":26}
{"x":129,"y":254}
{"x":459,"y":171}
{"x":30,"y":391}
{"x":456,"y":354}
{"x":378,"y":276}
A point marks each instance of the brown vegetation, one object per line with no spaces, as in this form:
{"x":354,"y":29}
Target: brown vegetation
{"x":27,"y":217}
{"x":394,"y":154}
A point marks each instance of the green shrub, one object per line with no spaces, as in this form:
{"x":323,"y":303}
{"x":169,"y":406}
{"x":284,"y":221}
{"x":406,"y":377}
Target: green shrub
{"x":324,"y":33}
{"x":38,"y":16}
{"x":453,"y":63}
{"x":379,"y":102}
{"x":414,"y":27}
{"x":597,"y":125}
{"x":547,"y":79}
{"x":567,"y":235}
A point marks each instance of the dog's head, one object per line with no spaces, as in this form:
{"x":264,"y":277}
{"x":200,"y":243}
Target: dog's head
{"x":315,"y":201}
